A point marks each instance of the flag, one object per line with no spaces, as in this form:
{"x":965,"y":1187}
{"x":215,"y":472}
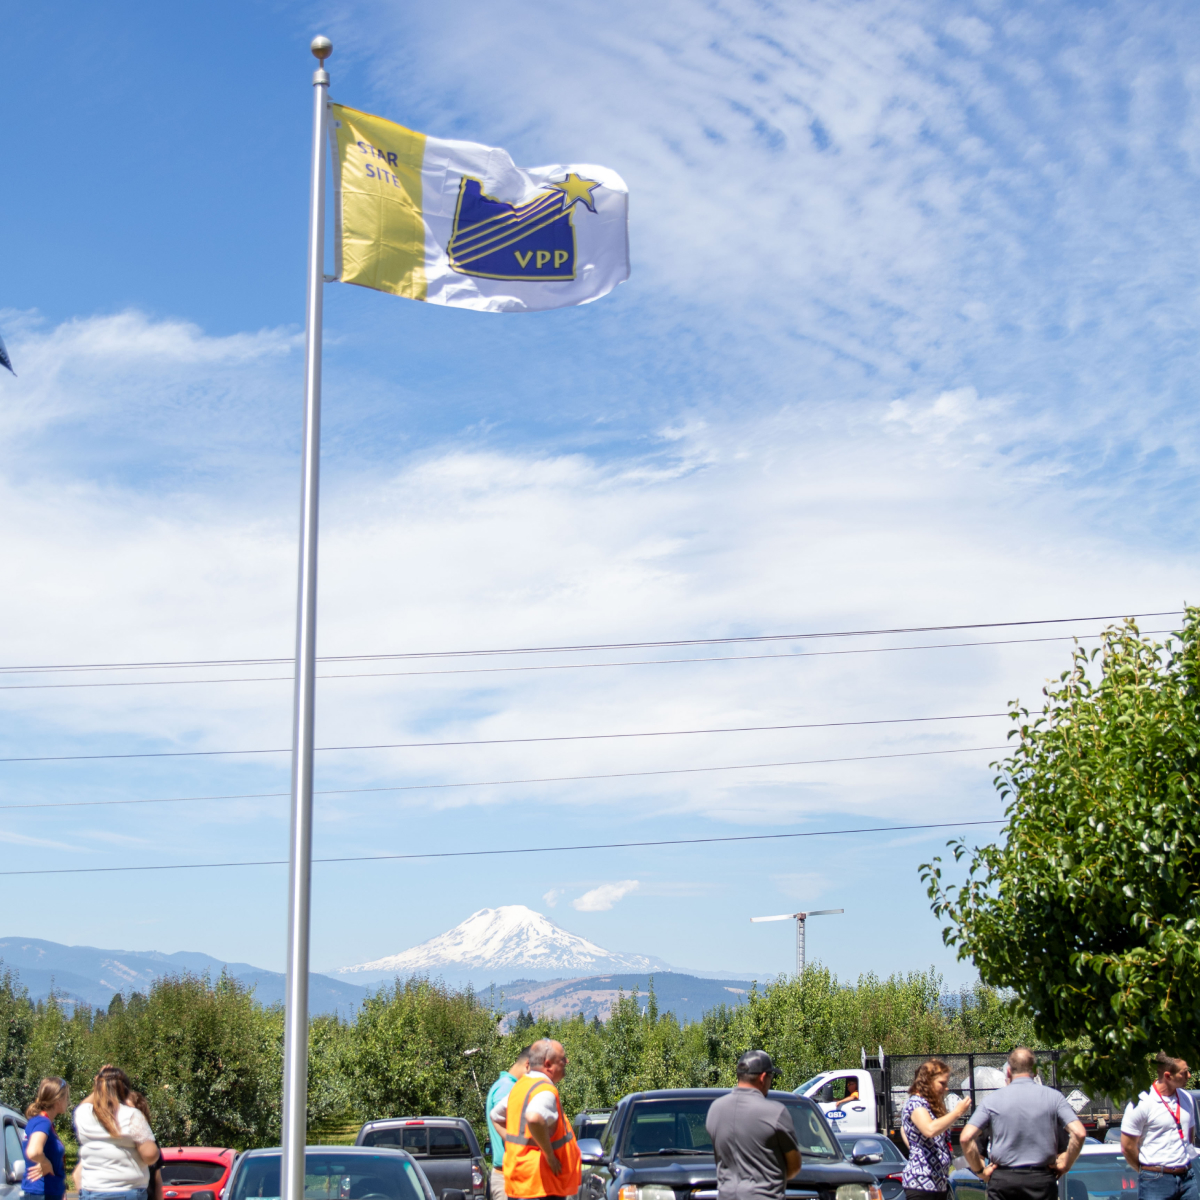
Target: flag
{"x":5,"y":361}
{"x":461,"y":224}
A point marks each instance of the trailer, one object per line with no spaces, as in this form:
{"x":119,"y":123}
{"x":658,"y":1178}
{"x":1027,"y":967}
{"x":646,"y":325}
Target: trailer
{"x":870,"y":1098}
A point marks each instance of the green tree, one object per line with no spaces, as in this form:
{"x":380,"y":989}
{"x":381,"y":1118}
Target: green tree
{"x":1089,"y":906}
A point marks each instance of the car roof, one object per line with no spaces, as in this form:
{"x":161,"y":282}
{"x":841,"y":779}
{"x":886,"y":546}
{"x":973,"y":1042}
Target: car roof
{"x":212,"y":1152}
{"x":703,"y":1093}
{"x":265,"y":1150}
{"x":417,"y":1120}
{"x":11,"y":1112}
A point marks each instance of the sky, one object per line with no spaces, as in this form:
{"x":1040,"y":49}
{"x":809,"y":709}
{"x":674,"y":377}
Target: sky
{"x":909,"y":342}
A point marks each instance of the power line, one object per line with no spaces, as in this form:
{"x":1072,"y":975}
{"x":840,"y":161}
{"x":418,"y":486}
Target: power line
{"x":421,"y":787}
{"x":569,"y":737}
{"x":279,"y":862}
{"x":651,"y":662}
{"x":576,"y":649}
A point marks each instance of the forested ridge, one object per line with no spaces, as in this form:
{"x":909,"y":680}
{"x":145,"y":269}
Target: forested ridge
{"x":208,"y":1056}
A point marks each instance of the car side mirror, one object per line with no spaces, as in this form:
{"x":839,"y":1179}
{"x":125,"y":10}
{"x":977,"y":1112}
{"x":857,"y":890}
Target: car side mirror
{"x":16,"y":1172}
{"x":591,"y":1151}
{"x":453,"y":1194}
{"x":866,"y":1152}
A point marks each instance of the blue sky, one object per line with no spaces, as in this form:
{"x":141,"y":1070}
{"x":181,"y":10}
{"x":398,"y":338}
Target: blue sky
{"x":910,"y":340}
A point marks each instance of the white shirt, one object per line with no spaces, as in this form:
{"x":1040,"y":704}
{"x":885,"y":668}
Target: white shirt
{"x":112,"y":1164}
{"x":1152,"y":1119}
{"x":544,"y":1102}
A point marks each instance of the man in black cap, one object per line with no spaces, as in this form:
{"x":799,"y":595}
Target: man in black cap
{"x":753,"y":1137}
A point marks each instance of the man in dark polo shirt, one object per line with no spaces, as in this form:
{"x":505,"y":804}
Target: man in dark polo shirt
{"x":753,"y":1137}
{"x":1023,"y":1120}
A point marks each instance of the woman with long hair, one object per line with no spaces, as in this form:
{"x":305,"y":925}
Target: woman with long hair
{"x":925,"y":1124}
{"x":44,"y":1175}
{"x":116,"y":1144}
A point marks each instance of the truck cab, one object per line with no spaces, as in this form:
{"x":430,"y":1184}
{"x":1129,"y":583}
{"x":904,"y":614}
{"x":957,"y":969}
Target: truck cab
{"x":847,"y":1098}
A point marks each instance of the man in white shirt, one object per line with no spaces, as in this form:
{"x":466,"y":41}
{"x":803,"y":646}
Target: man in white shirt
{"x":1157,"y":1134}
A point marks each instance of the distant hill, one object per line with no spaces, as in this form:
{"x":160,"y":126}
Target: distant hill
{"x":84,"y":974}
{"x":687,"y":996}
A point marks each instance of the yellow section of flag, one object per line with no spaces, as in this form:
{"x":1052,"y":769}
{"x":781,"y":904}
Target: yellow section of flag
{"x":380,"y":226}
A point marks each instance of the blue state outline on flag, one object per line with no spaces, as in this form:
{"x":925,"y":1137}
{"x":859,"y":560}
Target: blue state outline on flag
{"x":490,"y":228}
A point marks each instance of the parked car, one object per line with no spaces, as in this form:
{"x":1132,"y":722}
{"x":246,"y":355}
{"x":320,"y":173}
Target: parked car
{"x":1100,"y":1170}
{"x":879,"y":1155}
{"x":444,"y":1147}
{"x":14,"y":1153}
{"x":189,"y":1172}
{"x":335,"y":1173}
{"x":655,"y":1147}
{"x":591,"y":1124}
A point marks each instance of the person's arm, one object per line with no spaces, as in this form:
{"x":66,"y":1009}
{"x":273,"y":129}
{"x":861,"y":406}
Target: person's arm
{"x":928,"y":1127}
{"x":1064,"y":1162}
{"x":539,"y":1130}
{"x":77,"y":1177}
{"x":499,"y":1118}
{"x":36,"y":1162}
{"x":1130,"y":1147}
{"x":970,"y":1149}
{"x":793,"y":1163}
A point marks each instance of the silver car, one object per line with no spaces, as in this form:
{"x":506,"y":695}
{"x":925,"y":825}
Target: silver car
{"x":14,"y":1153}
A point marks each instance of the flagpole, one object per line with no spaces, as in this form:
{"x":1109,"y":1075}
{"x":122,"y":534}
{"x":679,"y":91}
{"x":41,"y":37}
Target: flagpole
{"x":295,"y":1028}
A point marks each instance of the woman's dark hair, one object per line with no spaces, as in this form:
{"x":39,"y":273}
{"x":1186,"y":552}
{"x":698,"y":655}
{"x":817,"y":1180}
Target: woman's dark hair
{"x":110,"y":1089}
{"x":48,"y":1093}
{"x":928,"y":1073}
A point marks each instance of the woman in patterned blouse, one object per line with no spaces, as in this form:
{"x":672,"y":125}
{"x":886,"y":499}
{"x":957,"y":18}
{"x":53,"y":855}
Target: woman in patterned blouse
{"x":925,"y":1124}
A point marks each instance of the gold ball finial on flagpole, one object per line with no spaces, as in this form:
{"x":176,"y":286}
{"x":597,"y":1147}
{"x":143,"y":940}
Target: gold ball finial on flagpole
{"x":322,"y":48}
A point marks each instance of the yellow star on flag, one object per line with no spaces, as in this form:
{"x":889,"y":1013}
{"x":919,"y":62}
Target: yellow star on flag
{"x":575,"y":188}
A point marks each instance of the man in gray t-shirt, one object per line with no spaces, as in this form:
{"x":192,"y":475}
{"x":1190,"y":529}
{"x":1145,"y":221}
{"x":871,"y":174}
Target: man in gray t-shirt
{"x":753,"y":1137}
{"x":1023,"y":1120}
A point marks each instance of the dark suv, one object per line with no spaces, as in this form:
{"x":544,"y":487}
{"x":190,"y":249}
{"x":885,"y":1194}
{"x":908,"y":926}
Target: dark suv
{"x":655,"y":1147}
{"x":444,"y":1147}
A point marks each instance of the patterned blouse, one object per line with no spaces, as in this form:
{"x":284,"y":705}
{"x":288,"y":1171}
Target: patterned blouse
{"x":928,"y":1168}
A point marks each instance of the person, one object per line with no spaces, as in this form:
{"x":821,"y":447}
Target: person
{"x":1157,"y":1134}
{"x":496,"y":1093}
{"x":116,"y":1143}
{"x":1024,"y":1120}
{"x":541,"y":1156}
{"x":851,"y":1093}
{"x":925,"y":1125}
{"x":44,"y":1151}
{"x":753,"y":1137}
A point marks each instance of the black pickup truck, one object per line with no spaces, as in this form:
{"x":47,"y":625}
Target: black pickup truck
{"x":655,"y":1147}
{"x":444,"y":1147}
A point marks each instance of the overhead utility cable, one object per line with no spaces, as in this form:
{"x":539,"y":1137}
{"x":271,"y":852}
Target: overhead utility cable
{"x":279,"y":862}
{"x":422,"y":787}
{"x":593,"y":646}
{"x":641,"y":662}
{"x":569,"y":737}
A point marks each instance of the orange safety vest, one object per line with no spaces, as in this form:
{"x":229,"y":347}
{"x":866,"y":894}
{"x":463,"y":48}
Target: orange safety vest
{"x":526,"y":1174}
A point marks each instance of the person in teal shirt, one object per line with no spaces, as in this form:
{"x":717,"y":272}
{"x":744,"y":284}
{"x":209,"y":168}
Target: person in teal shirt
{"x":496,"y":1093}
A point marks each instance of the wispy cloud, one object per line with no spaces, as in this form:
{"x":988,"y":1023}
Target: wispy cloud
{"x":604,"y":897}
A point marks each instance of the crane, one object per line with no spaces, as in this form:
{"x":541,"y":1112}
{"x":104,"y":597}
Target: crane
{"x":800,"y":918}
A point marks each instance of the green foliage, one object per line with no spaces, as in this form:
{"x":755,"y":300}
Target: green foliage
{"x":1088,"y":907}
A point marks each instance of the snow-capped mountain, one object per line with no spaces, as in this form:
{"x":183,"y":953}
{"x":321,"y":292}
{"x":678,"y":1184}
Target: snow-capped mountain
{"x":496,"y":945}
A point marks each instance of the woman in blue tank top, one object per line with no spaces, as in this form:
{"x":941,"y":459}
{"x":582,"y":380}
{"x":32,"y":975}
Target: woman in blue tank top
{"x":44,"y":1175}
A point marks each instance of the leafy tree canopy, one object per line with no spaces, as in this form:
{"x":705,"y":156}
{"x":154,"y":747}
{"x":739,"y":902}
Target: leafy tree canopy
{"x":1088,"y":906}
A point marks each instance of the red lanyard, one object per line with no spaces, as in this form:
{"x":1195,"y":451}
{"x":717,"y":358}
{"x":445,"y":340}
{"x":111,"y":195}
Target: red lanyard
{"x":1175,"y":1114}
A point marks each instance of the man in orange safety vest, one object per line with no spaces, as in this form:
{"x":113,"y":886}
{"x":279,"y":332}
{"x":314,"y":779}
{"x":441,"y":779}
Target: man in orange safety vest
{"x":541,"y":1156}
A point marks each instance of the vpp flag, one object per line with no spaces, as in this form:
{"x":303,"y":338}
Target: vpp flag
{"x":458,"y":223}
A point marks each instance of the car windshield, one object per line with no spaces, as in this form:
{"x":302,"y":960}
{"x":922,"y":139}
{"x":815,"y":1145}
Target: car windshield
{"x":666,"y":1127}
{"x":183,"y":1171}
{"x":330,"y":1176}
{"x":1102,"y":1174}
{"x":807,"y":1084}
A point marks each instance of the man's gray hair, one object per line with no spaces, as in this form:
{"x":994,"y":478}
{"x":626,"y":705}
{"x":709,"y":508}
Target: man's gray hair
{"x":541,"y":1052}
{"x":1022,"y":1061}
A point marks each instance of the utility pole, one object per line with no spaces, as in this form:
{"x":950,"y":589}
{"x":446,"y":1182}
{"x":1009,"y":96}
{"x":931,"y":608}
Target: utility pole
{"x":800,"y":918}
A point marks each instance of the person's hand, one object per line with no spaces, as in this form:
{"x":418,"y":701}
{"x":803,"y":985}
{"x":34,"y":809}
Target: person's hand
{"x":32,"y":1170}
{"x":987,"y":1172}
{"x":553,"y":1163}
{"x":962,"y":1107}
{"x":1061,"y":1166}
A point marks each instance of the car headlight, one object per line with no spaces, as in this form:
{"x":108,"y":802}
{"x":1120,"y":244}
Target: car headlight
{"x":650,"y":1191}
{"x":856,"y":1191}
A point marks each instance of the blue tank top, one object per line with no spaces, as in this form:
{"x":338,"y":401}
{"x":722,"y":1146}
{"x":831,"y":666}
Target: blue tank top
{"x":52,"y":1185}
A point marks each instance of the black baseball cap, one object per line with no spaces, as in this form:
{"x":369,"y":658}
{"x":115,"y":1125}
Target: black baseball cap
{"x":757,"y":1062}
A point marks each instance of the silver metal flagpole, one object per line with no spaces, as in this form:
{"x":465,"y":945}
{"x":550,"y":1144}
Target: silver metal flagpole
{"x":295,"y":1029}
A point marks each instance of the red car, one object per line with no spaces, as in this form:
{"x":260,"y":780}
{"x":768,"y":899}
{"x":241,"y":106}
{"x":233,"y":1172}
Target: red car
{"x":190,"y":1170}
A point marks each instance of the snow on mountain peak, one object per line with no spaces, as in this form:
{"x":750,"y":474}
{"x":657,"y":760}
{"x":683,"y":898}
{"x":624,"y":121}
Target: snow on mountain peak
{"x":512,"y":939}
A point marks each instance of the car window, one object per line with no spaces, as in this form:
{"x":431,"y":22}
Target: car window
{"x":812,"y":1132}
{"x":333,"y":1177}
{"x":806,"y":1085}
{"x":185,"y":1171}
{"x":609,"y":1136}
{"x":14,"y":1151}
{"x":448,"y":1142}
{"x":413,"y":1138}
{"x":1102,"y":1174}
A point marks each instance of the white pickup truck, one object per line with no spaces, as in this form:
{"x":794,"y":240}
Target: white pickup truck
{"x":870,"y":1098}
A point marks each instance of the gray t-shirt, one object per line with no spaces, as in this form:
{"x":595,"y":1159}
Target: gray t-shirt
{"x":1024,"y":1119}
{"x":751,"y":1136}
